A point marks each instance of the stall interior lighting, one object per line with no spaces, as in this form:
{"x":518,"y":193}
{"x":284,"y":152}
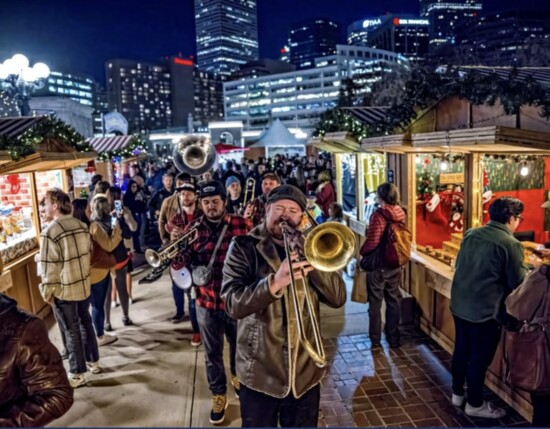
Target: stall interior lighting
{"x":524,"y":171}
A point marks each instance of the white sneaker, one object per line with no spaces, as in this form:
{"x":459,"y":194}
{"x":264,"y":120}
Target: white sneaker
{"x":457,"y":400}
{"x":77,"y":380}
{"x":106,"y":339}
{"x":114,"y":304}
{"x":486,"y":411}
{"x":94,"y":367}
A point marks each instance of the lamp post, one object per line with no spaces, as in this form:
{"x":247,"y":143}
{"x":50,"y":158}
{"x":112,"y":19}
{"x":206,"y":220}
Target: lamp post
{"x":20,"y":80}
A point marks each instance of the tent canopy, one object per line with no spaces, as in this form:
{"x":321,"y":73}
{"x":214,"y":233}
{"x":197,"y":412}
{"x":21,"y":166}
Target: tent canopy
{"x":277,"y":136}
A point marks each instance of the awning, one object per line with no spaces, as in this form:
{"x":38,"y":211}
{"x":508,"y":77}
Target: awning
{"x":14,"y":127}
{"x":367,"y":114}
{"x":108,"y":144}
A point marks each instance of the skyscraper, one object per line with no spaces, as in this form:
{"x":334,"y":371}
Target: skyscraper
{"x":226,"y":34}
{"x":446,"y":15}
{"x":312,"y":39}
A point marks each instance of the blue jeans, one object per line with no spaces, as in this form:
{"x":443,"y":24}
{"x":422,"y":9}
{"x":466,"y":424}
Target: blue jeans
{"x":179,"y":300}
{"x":99,"y":294}
{"x":75,"y":320}
{"x":213,"y":325}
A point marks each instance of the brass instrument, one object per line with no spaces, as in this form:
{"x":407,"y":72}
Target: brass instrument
{"x":249,"y":193}
{"x":194,"y":154}
{"x":327,"y":247}
{"x":165,"y":255}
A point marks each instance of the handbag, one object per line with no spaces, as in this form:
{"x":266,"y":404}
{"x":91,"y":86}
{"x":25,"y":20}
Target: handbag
{"x":100,"y":258}
{"x":359,"y":291}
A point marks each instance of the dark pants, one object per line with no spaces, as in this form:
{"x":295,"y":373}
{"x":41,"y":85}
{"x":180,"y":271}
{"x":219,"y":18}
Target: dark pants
{"x":213,"y":325}
{"x":384,"y":284}
{"x":475,"y":347}
{"x":137,"y":235}
{"x":75,"y":320}
{"x":99,"y":293}
{"x":541,"y":410}
{"x":261,"y":410}
{"x":179,"y":299}
{"x":122,"y":291}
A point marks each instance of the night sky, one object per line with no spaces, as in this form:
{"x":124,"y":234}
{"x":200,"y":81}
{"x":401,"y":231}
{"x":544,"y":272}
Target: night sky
{"x":80,"y":36}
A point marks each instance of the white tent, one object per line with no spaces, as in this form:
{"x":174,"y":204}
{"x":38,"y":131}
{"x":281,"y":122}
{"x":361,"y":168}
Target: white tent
{"x":277,"y":139}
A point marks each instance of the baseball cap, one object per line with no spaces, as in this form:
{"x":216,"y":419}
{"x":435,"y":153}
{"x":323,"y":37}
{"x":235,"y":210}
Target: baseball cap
{"x":187,"y":187}
{"x":212,"y":188}
{"x":272,"y":176}
{"x":287,"y":192}
{"x":230,"y":180}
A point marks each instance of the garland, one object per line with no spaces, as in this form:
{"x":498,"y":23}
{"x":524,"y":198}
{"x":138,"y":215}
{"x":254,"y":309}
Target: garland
{"x":136,"y":146}
{"x":426,"y":86}
{"x":49,"y":129}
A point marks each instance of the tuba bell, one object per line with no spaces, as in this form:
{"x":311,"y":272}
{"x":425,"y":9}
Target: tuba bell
{"x":194,"y":154}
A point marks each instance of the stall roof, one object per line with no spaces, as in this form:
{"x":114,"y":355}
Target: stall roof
{"x":277,"y":136}
{"x":540,"y":74}
{"x":368,"y":114}
{"x":340,"y":142}
{"x":15,"y":126}
{"x":107,"y":144}
{"x":45,"y":161}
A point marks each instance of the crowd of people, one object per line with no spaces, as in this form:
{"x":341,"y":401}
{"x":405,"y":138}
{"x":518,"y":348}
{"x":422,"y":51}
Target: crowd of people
{"x":234,"y":231}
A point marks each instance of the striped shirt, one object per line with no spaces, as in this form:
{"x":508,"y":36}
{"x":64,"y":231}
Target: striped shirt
{"x":65,"y":259}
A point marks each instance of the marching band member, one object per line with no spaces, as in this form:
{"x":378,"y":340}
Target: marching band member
{"x":279,"y":380}
{"x":255,"y":209}
{"x":170,"y":206}
{"x":205,"y":258}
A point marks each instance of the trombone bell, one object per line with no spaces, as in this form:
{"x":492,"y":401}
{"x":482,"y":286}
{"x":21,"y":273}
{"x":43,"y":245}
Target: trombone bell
{"x":329,"y":246}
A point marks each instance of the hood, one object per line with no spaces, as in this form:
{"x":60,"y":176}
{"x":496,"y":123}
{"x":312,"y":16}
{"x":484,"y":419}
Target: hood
{"x":395,"y":213}
{"x":6,"y":303}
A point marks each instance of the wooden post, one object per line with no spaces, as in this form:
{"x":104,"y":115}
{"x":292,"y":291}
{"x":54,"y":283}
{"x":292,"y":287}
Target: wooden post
{"x":360,"y":186}
{"x":339,"y":189}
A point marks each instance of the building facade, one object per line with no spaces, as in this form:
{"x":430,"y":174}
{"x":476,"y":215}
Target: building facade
{"x":446,"y":15}
{"x":313,"y":39}
{"x":299,"y":98}
{"x":226,"y":34}
{"x":164,"y":95}
{"x":403,"y":34}
{"x":515,"y":38}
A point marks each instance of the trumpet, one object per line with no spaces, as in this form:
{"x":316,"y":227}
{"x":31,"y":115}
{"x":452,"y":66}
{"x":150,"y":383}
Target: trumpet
{"x":327,"y":247}
{"x":165,"y":255}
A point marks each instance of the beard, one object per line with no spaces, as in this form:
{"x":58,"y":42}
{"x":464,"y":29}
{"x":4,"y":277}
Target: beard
{"x":213,"y":215}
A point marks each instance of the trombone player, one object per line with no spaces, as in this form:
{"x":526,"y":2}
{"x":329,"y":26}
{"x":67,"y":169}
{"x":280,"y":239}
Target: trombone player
{"x":279,"y":379}
{"x":255,"y":209}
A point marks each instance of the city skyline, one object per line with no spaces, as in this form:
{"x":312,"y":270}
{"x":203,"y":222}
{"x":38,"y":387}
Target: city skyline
{"x":82,"y":37}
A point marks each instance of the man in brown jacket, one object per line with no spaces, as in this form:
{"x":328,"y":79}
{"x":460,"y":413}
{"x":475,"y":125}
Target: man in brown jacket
{"x":279,"y":380}
{"x":170,"y":207}
{"x":34,"y":389}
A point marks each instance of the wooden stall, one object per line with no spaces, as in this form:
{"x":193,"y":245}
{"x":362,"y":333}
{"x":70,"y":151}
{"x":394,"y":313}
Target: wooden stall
{"x":22,"y":184}
{"x":459,"y":158}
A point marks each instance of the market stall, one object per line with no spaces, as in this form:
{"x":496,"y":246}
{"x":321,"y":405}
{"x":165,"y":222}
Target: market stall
{"x":460,"y":158}
{"x":41,"y":157}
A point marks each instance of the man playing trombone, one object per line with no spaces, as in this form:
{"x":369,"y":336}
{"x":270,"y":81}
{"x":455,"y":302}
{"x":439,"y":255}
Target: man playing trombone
{"x":255,"y":208}
{"x":205,"y":258}
{"x":277,"y":365}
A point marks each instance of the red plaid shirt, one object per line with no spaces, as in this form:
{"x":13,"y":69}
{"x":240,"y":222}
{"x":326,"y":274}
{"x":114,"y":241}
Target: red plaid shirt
{"x":181,"y":220}
{"x":200,"y":252}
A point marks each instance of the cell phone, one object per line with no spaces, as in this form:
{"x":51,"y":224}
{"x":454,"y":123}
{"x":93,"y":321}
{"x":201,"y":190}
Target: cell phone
{"x":118,"y":206}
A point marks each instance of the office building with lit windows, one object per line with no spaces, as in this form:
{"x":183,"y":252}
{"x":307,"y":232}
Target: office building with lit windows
{"x":403,"y":34}
{"x":69,"y":85}
{"x":164,"y":95}
{"x":226,"y":34}
{"x":299,"y":98}
{"x":446,"y":15}
{"x":312,"y":39}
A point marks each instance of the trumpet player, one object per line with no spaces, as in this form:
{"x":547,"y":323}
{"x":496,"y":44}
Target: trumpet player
{"x":205,"y":258}
{"x":255,"y":209}
{"x":279,"y":379}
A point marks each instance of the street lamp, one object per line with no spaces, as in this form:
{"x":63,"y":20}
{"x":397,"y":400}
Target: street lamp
{"x":20,"y":80}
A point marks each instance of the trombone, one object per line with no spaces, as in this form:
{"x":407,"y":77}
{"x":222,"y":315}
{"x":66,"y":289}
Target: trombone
{"x":327,"y":247}
{"x":250,"y":191}
{"x":165,"y":255}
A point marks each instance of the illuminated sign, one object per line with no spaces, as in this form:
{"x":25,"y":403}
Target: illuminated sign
{"x":400,"y":21}
{"x":371,"y":22}
{"x":183,"y":62}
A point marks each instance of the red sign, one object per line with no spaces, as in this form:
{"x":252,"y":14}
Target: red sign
{"x":183,"y":62}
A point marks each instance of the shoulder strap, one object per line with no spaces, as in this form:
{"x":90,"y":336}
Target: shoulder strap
{"x":218,"y":244}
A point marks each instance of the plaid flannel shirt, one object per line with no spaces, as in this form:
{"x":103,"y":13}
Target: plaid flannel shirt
{"x":200,"y":252}
{"x":65,"y":259}
{"x":181,"y":220}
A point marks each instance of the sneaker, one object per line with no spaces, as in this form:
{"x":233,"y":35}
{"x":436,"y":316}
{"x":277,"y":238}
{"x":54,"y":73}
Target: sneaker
{"x":127,"y":321}
{"x":219,"y":404}
{"x":196,"y":340}
{"x":236,"y":385}
{"x":114,"y":304}
{"x":457,"y":400}
{"x":486,"y":411}
{"x":94,"y":367}
{"x":77,"y":380}
{"x":131,"y":301}
{"x":106,"y":339}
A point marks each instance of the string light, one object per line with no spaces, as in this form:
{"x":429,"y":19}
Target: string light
{"x":444,"y":166}
{"x":524,"y":171}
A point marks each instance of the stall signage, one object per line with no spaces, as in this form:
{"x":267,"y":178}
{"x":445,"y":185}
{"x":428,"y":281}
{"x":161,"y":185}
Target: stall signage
{"x":391,"y":176}
{"x":451,"y":178}
{"x":357,"y":226}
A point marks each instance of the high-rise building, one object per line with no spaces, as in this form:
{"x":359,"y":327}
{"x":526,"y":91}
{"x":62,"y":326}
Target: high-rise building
{"x":404,"y":34}
{"x":312,"y":39}
{"x":446,"y":15}
{"x":161,"y":96}
{"x":262,"y":67}
{"x":226,"y":34}
{"x":299,"y":98}
{"x":77,"y":87}
{"x":520,"y":38}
